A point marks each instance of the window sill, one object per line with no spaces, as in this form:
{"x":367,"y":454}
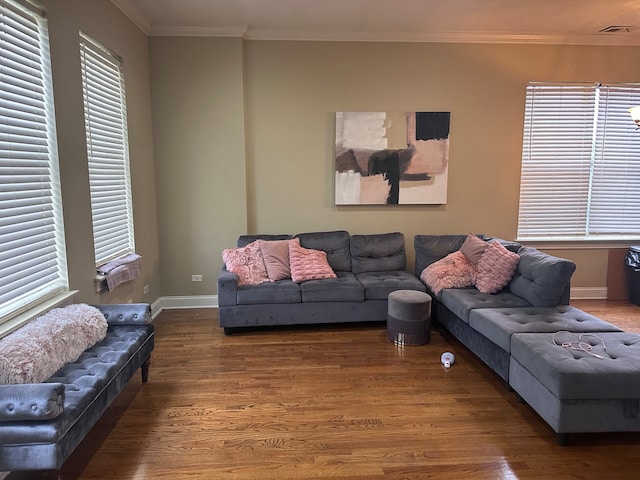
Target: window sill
{"x":578,"y":244}
{"x":25,"y":317}
{"x":100,"y":282}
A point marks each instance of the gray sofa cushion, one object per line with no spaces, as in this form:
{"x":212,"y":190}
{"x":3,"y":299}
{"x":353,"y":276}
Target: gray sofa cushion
{"x":282,"y":291}
{"x":344,"y":288}
{"x":462,"y":300}
{"x":382,"y":252}
{"x":335,"y":244}
{"x":573,"y":374}
{"x":499,"y":324}
{"x":378,"y":285}
{"x":540,"y":278}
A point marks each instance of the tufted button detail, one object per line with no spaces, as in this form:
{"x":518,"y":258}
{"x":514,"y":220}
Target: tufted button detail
{"x":10,"y":407}
{"x":34,"y":408}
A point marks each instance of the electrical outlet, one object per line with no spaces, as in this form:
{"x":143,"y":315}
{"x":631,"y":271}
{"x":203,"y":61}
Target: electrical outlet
{"x":196,"y":278}
{"x":146,"y":289}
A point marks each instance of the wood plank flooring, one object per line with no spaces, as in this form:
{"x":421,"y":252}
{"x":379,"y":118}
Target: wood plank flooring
{"x":331,"y":402}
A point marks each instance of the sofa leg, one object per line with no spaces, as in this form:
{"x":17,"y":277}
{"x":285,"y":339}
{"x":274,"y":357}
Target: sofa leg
{"x":562,"y":439}
{"x":145,"y":370}
{"x":229,"y":330}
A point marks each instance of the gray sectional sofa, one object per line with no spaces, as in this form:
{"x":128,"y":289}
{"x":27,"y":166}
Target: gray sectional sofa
{"x":519,"y":333}
{"x":540,"y":281}
{"x":42,"y":423}
{"x":368,"y":268}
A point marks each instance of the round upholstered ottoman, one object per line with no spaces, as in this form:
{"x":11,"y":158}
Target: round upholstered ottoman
{"x":409,"y":317}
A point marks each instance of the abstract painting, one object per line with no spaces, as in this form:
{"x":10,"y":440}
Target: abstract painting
{"x":392,"y":158}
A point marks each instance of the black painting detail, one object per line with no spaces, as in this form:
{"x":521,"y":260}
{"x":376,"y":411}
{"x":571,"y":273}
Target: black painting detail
{"x":387,"y":163}
{"x":432,"y":125}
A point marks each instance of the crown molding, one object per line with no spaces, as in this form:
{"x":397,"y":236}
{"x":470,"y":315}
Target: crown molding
{"x":247,"y":33}
{"x":447,"y":37}
{"x":134,"y":14}
{"x":177,"y":31}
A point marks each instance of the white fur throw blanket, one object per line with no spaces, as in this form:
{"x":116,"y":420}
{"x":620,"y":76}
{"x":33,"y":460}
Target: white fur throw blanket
{"x":36,"y":351}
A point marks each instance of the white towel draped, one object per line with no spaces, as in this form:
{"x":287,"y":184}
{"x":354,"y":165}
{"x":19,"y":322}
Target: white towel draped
{"x":121,"y":270}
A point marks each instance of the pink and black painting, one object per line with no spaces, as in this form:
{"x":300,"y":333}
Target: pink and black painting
{"x":391,"y":158}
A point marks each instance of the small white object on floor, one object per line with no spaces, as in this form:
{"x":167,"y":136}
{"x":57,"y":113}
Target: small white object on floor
{"x":447,"y":359}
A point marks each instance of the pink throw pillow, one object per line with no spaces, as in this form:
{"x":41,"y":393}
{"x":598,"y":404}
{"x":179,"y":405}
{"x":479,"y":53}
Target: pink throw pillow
{"x":496,"y":268}
{"x":247,"y":263}
{"x":453,"y":271}
{"x":276,"y":258}
{"x":307,"y":264}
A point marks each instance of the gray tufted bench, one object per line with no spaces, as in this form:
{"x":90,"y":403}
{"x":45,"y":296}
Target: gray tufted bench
{"x":574,"y":391}
{"x":42,"y":423}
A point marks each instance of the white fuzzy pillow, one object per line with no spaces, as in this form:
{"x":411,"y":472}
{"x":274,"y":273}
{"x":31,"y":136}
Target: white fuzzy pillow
{"x":36,"y":351}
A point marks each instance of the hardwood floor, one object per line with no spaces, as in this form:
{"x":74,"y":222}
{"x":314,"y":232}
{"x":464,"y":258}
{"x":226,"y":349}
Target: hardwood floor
{"x":331,"y":402}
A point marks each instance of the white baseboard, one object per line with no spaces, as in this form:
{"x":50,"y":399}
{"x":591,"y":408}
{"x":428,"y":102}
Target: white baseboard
{"x":589,"y":293}
{"x":178,"y":302}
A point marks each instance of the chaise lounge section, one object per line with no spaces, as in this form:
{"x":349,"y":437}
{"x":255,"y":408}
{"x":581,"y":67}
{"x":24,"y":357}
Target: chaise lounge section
{"x":517,"y":332}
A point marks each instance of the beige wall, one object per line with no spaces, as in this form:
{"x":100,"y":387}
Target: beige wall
{"x":199,"y":142}
{"x":105,"y":23}
{"x":291,"y":90}
{"x":243,"y":138}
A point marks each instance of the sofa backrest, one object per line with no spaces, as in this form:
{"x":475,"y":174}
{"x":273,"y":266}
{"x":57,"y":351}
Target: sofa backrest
{"x":335,"y":244}
{"x":380,"y":252}
{"x":431,"y":248}
{"x":244,"y":240}
{"x":542,"y":279}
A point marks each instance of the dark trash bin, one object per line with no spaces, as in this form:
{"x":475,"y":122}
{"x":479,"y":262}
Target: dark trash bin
{"x":632,"y":262}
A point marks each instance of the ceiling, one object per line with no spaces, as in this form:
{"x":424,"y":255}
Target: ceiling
{"x":493,"y":21}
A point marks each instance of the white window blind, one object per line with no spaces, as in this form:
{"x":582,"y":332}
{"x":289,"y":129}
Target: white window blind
{"x":580,"y":177}
{"x":32,"y":253}
{"x":108,"y":151}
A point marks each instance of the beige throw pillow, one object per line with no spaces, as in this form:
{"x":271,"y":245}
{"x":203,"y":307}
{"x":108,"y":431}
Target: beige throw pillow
{"x":473,"y":248}
{"x":276,"y":258}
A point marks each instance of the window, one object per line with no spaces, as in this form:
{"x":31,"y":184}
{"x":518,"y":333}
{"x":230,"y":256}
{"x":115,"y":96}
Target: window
{"x":32,"y":253}
{"x":105,"y":117}
{"x":580,"y":176}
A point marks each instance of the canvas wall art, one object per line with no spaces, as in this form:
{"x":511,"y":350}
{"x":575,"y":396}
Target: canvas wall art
{"x":392,"y":158}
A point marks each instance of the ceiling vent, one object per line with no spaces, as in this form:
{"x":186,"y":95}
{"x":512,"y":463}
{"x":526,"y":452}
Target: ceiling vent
{"x":618,"y":29}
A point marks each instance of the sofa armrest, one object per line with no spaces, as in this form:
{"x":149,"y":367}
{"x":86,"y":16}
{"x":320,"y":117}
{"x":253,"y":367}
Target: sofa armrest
{"x":31,"y":401}
{"x":126,"y":313}
{"x":541,"y":279}
{"x":227,"y":288}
